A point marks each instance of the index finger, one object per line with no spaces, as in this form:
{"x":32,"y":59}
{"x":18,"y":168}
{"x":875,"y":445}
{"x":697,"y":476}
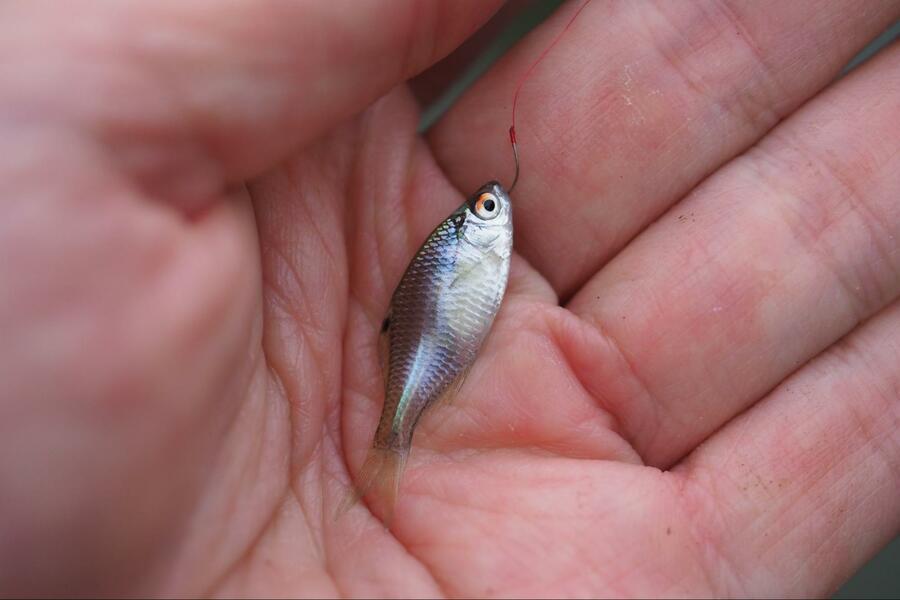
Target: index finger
{"x":636,"y":104}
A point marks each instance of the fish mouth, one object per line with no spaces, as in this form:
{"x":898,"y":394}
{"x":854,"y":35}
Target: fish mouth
{"x":491,"y":186}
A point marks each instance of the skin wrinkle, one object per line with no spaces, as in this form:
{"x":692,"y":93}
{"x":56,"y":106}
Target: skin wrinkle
{"x":295,"y":472}
{"x":407,"y":205}
{"x":798,"y":363}
{"x":233,"y":508}
{"x":599,"y":399}
{"x":822,"y":473}
{"x":763,"y":115}
{"x":294,"y":397}
{"x":356,"y":179}
{"x":357,"y":182}
{"x":809,"y":235}
{"x":379,"y":251}
{"x":336,"y":400}
{"x":276,"y":289}
{"x":866,"y":426}
{"x":439,"y":583}
{"x":705,"y":479}
{"x":768,"y":113}
{"x":408,"y":552}
{"x":324,"y":241}
{"x":789,"y":530}
{"x":322,"y":546}
{"x":824,"y":548}
{"x":280,"y":508}
{"x":275,"y":379}
{"x":651,"y":401}
{"x":541,"y":513}
{"x":332,"y":432}
{"x":805,"y":234}
{"x":873,"y":223}
{"x":252,"y":546}
{"x":539,"y":314}
{"x":442,"y":583}
{"x":315,"y":527}
{"x":698,"y":523}
{"x":305,"y":324}
{"x":551,"y":447}
{"x":829,"y":541}
{"x":674,"y":61}
{"x":352,"y":389}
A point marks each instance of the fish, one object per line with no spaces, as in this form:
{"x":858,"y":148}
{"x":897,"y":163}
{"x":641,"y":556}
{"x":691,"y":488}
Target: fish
{"x":439,"y":316}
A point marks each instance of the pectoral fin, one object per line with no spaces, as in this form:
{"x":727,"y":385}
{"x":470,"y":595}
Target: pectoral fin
{"x":462,"y":276}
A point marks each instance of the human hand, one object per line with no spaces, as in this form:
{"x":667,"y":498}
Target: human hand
{"x":189,"y":363}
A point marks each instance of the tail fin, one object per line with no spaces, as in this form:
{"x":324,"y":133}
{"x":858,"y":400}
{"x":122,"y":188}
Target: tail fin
{"x":382,"y":472}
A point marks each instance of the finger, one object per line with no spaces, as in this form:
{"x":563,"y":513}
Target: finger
{"x":635,"y":105}
{"x":435,"y":83}
{"x":769,"y":262}
{"x":188,"y":97}
{"x":802,"y":490}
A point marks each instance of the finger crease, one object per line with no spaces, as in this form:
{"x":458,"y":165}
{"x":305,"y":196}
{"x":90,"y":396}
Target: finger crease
{"x":622,"y":426}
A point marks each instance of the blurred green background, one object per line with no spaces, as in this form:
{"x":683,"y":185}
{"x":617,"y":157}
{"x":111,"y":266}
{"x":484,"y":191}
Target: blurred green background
{"x":880,"y":578}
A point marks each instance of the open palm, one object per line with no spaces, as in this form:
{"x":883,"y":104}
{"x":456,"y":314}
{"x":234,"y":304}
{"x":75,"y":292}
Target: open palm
{"x":691,"y":388}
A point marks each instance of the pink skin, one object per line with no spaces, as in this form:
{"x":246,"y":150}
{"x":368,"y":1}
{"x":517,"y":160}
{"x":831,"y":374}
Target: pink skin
{"x":207,"y":207}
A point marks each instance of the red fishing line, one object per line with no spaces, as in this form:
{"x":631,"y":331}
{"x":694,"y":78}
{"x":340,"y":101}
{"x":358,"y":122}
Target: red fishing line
{"x":512,"y":128}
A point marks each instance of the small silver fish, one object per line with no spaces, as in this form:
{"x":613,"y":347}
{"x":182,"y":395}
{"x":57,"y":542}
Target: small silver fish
{"x":438,"y":319}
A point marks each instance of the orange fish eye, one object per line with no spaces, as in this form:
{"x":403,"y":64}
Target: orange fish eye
{"x":486,"y":206}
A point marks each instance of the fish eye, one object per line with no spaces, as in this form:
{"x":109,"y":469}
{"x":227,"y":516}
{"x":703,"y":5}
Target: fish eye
{"x":487,"y":206}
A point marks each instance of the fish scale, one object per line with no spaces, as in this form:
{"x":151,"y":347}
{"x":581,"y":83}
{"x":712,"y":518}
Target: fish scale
{"x":440,"y":314}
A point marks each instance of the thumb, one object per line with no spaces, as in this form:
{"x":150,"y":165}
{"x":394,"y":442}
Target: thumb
{"x":187,"y":97}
